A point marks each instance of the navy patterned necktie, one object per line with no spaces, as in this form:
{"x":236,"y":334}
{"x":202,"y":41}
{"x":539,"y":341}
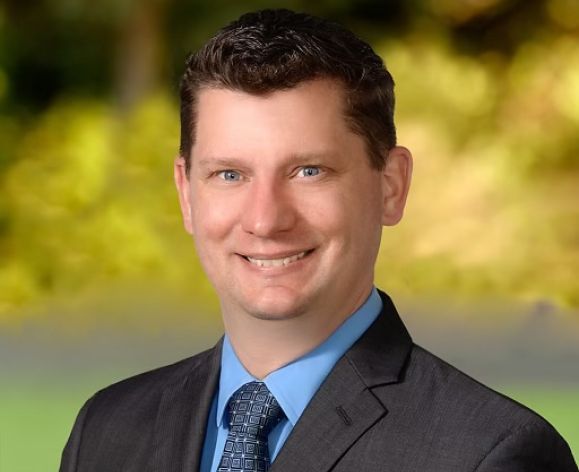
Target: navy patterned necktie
{"x":253,"y":413}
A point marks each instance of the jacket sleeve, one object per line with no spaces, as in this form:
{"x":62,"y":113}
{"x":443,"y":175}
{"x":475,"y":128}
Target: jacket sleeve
{"x":532,"y":448}
{"x":69,"y":461}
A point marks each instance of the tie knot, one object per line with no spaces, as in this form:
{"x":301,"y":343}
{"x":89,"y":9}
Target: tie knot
{"x":253,"y":411}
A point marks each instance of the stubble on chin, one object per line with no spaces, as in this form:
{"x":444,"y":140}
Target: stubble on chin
{"x":276,"y":313}
{"x":261,"y":311}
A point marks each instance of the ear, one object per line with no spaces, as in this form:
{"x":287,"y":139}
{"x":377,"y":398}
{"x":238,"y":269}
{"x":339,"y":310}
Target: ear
{"x":184,"y":192}
{"x":396,"y":177}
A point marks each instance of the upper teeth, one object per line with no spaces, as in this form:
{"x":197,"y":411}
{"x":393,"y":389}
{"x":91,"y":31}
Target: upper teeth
{"x":276,"y":262}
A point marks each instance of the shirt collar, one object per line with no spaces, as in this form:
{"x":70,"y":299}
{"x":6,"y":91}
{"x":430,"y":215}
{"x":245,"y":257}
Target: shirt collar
{"x":294,"y":384}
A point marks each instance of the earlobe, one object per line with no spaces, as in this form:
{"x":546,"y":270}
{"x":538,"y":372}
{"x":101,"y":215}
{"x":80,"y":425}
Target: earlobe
{"x":396,"y":177}
{"x":184,"y":192}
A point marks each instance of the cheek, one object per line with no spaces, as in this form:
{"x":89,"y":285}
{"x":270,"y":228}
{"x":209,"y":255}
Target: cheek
{"x":213,"y":218}
{"x":323,"y":211}
{"x":212,"y":225}
{"x":351,"y":207}
{"x":335,"y":218}
{"x":358,"y":219}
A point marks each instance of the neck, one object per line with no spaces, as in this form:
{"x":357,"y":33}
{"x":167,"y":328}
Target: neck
{"x":265,"y":345}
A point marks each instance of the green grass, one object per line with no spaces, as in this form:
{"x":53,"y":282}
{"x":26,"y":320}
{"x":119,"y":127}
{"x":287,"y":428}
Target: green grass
{"x":35,"y":421}
{"x":34,"y":426}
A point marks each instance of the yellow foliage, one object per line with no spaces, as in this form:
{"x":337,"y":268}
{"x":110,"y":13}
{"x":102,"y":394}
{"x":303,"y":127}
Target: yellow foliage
{"x":89,"y":200}
{"x":493,"y":208}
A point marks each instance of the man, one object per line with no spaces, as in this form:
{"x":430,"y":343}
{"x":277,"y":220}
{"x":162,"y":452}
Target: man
{"x":288,"y":171}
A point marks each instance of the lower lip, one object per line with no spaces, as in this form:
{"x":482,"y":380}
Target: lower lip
{"x":283,"y":269}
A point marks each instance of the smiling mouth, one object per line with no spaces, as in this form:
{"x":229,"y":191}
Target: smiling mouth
{"x":281,"y":262}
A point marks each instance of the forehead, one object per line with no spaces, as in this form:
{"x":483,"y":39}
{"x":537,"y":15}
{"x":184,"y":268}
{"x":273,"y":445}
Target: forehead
{"x":324,"y":88}
{"x":307,"y":118}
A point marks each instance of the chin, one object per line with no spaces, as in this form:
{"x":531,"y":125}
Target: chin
{"x":275,"y":309}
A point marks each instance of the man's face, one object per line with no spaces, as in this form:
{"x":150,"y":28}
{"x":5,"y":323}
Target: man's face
{"x":283,"y":205}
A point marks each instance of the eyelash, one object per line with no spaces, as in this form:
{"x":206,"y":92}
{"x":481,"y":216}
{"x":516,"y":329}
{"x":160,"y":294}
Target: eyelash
{"x":319,"y":169}
{"x":222,"y":173}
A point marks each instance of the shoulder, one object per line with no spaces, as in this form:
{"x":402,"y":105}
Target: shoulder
{"x":533,"y":446}
{"x":463,"y":398}
{"x":120,"y":420}
{"x":142,"y":392}
{"x":463,"y":417}
{"x":161,"y":376}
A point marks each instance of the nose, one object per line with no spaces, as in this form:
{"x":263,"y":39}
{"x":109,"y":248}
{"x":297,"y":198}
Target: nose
{"x":268,"y":209}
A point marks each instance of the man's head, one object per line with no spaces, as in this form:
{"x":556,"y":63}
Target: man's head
{"x":287,"y":183}
{"x":275,"y":50}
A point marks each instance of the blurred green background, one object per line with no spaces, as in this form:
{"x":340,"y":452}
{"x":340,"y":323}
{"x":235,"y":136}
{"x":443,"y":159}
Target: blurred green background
{"x":99,"y":281}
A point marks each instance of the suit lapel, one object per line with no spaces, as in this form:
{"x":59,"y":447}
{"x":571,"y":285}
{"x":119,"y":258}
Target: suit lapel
{"x":345,"y":407}
{"x":341,"y":411}
{"x":182,"y":416}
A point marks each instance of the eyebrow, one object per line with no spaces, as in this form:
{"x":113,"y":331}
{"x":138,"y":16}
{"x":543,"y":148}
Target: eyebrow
{"x":295,"y":158}
{"x":220,"y":161}
{"x":311,"y":157}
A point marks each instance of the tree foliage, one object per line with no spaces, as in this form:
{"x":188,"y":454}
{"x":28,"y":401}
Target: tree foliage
{"x":488,"y":100}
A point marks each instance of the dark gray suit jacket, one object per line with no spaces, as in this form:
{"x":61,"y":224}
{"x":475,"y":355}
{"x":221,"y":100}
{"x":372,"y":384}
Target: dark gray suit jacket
{"x":388,"y":405}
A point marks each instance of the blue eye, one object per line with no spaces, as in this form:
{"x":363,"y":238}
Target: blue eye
{"x":309,"y":171}
{"x":229,"y":175}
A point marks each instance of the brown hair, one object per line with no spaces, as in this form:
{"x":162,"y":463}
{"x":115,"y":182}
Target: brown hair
{"x":271,"y":50}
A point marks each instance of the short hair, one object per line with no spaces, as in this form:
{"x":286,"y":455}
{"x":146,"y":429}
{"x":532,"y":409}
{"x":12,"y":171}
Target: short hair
{"x":271,"y":50}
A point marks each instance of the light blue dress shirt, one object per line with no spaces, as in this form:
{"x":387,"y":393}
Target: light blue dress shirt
{"x":293,"y":385}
